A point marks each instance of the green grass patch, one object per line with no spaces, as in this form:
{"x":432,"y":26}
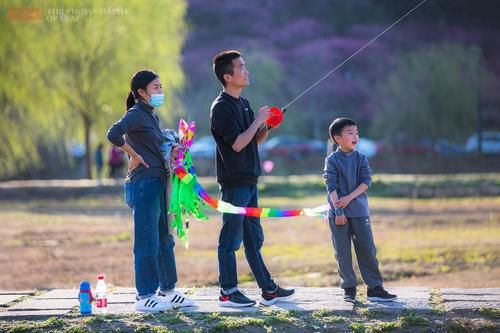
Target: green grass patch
{"x":412,"y":319}
{"x":436,"y":301}
{"x":76,"y":329}
{"x":368,"y":313}
{"x":455,"y":327}
{"x":447,"y":258}
{"x":21,"y":328}
{"x":280,"y":317}
{"x":143,"y":328}
{"x":172,"y":318}
{"x":489,"y":312}
{"x":231,"y":323}
{"x":357,"y":328}
{"x":212,"y":317}
{"x":384,"y":326}
{"x":383,"y":185}
{"x":52,"y":322}
{"x":93,"y":320}
{"x":267,"y":320}
{"x":327,"y":316}
{"x":322,"y":313}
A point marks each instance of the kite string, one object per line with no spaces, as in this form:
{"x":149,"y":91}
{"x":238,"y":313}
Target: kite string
{"x":352,"y":55}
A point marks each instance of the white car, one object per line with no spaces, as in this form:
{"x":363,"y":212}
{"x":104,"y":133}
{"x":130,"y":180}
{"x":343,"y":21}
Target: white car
{"x":203,"y":147}
{"x":490,"y":143}
{"x":367,"y":147}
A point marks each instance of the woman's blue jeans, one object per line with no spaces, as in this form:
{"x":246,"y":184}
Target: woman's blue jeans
{"x":154,"y":259}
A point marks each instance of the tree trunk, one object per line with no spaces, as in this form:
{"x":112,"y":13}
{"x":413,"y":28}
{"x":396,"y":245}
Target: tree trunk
{"x":479,"y":128}
{"x":87,"y":124}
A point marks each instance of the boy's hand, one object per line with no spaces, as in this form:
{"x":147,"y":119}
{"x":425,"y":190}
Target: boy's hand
{"x":343,"y":202}
{"x":174,"y":153}
{"x":340,"y":220}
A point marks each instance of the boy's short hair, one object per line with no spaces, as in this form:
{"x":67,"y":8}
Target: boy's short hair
{"x":338,"y":125}
{"x":223,"y":64}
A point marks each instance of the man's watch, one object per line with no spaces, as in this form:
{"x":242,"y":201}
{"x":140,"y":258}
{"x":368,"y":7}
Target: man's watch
{"x":339,"y":211}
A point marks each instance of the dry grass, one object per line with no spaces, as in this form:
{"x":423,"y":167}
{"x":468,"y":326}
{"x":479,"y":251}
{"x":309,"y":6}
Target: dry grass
{"x":56,"y":244}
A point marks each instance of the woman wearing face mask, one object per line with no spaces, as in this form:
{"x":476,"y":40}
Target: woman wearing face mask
{"x":138,"y":133}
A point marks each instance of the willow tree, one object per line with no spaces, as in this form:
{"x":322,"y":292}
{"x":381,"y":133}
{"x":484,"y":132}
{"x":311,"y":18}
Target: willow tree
{"x":80,"y":59}
{"x":432,"y":94}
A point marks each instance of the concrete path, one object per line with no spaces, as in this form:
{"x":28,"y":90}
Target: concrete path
{"x":28,"y":304}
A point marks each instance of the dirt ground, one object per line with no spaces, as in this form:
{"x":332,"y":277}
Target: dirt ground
{"x":421,"y":242}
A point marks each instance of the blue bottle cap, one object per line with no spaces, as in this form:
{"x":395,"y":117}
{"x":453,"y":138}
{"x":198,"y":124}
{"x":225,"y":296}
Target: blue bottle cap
{"x":85,"y":285}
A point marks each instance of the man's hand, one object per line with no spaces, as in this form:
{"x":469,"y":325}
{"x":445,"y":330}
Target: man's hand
{"x":340,"y":220}
{"x":244,"y":138}
{"x":263,"y":115}
{"x":135,"y":161}
{"x":343,"y":202}
{"x":269,"y":128}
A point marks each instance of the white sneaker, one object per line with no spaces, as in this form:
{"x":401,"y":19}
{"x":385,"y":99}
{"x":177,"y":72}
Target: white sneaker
{"x":152,"y":304}
{"x":177,"y":299}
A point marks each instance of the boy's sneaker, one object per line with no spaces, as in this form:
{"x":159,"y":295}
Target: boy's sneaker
{"x":235,"y":300}
{"x":379,"y":294}
{"x":279,"y":295}
{"x":177,"y":299}
{"x":350,"y":295}
{"x":152,"y":304}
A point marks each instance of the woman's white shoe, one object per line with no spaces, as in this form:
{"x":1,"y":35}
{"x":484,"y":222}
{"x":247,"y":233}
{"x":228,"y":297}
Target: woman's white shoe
{"x":177,"y":299}
{"x":152,"y":304}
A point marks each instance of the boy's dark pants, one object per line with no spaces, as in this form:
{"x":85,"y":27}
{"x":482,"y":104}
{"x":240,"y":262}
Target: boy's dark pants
{"x":359,"y":230}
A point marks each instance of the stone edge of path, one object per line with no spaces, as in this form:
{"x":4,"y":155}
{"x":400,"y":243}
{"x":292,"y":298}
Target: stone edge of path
{"x":63,"y":302}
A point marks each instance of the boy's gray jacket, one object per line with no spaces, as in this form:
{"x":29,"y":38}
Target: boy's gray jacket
{"x":344,"y":172}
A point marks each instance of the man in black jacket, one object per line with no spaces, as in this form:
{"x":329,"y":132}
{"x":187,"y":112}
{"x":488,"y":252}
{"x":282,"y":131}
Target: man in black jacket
{"x":237,"y":132}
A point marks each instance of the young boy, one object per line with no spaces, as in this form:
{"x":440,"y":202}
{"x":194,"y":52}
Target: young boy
{"x":347,"y":177}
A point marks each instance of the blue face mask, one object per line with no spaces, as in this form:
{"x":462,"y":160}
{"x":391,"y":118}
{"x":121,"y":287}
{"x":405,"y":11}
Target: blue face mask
{"x":157,"y":100}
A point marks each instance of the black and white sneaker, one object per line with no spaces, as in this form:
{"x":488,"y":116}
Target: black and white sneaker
{"x":379,"y":294}
{"x":177,"y":299}
{"x":279,"y":295}
{"x":350,"y":295}
{"x":152,"y":304}
{"x":235,"y":300}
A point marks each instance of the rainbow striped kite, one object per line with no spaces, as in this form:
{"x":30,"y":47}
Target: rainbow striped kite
{"x":190,"y":198}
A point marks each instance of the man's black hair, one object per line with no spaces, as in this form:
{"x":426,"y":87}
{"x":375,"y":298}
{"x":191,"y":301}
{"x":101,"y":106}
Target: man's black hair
{"x":223,"y":64}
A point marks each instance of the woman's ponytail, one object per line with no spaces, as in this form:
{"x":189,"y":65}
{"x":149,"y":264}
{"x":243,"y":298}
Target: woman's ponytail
{"x":130,"y":100}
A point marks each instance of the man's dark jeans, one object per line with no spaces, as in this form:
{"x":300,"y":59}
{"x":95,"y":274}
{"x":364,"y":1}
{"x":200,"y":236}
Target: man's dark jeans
{"x":237,"y":229}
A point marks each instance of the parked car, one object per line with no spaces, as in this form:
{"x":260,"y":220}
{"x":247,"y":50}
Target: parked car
{"x":490,"y":143}
{"x":421,"y":146}
{"x":406,"y":147}
{"x":445,"y":147}
{"x":367,"y":147}
{"x":292,"y":146}
{"x":204,"y":147}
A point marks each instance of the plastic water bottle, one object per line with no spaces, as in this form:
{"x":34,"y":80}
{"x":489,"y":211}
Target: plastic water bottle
{"x":85,"y":298}
{"x":101,"y":295}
